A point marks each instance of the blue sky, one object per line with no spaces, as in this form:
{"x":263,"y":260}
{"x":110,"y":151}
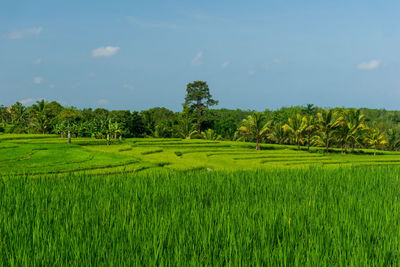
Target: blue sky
{"x":253,"y":54}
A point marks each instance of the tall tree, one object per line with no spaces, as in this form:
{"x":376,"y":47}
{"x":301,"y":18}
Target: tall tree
{"x":297,"y":127}
{"x":69,"y":114}
{"x":255,"y":126}
{"x":328,"y":122}
{"x":393,"y":139}
{"x":355,"y":122}
{"x":375,"y":138}
{"x":310,"y":131}
{"x":4,"y":115}
{"x":198,"y":99}
{"x":38,"y":112}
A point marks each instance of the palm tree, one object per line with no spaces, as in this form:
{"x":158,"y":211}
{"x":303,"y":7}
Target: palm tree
{"x":393,"y":139}
{"x":278,"y":135}
{"x":310,"y":131}
{"x":255,"y":127}
{"x":39,"y":114}
{"x":297,"y":128}
{"x":328,"y":122}
{"x":375,"y":138}
{"x":4,"y":115}
{"x":354,"y":121}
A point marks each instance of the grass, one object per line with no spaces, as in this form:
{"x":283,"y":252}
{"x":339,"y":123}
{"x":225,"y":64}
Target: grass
{"x":41,"y":155}
{"x":314,"y":217}
{"x":133,"y":203}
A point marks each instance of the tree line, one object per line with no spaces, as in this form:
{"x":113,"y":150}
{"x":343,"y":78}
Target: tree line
{"x":306,"y":126}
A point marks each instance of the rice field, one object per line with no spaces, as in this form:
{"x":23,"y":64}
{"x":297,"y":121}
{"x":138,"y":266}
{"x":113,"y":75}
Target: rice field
{"x":147,"y":202}
{"x":36,"y":155}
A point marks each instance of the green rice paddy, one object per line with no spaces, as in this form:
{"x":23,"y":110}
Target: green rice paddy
{"x":180,"y":202}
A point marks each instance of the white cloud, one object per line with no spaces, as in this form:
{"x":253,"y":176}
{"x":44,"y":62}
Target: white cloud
{"x":128,"y":86}
{"x":276,"y":61}
{"x":37,"y":80}
{"x":149,"y":24}
{"x":197,"y":60}
{"x":371,"y":65}
{"x":92,"y":75}
{"x":37,"y":61}
{"x":28,"y":32}
{"x":102,"y":102}
{"x":76,"y":85}
{"x":251,"y":72}
{"x":27,"y":101}
{"x":105,"y":51}
{"x":51,"y":86}
{"x":225,"y":64}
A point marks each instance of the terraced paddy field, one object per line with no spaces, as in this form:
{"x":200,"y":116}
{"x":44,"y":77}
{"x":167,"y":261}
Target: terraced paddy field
{"x":50,"y":155}
{"x":149,"y":202}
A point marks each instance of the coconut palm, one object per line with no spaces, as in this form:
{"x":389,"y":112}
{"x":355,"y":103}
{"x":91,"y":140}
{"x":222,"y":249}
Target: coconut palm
{"x":296,"y":127}
{"x":41,"y":120}
{"x":376,"y":138}
{"x":4,"y":115}
{"x":355,"y":122}
{"x":254,"y":125}
{"x":393,"y":139}
{"x":310,"y":131}
{"x":328,"y":122}
{"x":278,"y":135}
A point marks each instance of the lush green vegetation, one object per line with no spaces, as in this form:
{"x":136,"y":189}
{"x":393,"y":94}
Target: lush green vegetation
{"x":49,"y":154}
{"x":309,"y":126}
{"x":296,"y":186}
{"x":314,"y":217}
{"x":199,"y":202}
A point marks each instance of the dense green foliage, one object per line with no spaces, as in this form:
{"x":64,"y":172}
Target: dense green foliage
{"x":313,"y":217}
{"x":348,"y":128}
{"x":200,"y":202}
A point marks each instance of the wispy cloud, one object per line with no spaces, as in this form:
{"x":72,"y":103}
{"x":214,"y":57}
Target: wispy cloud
{"x":37,"y":61}
{"x":276,"y":61}
{"x":51,"y":86}
{"x":149,"y":24}
{"x":26,"y":101}
{"x":37,"y":80}
{"x":102,"y":102}
{"x":76,"y":85}
{"x":197,"y":60}
{"x":251,"y":72}
{"x":225,"y":64}
{"x":370,"y":65}
{"x":105,"y":51}
{"x":23,"y":33}
{"x":92,"y":75}
{"x":209,"y":18}
{"x":128,"y":86}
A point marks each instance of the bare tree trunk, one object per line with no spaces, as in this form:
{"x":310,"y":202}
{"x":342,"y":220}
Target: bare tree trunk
{"x":352,"y":147}
{"x":298,"y":145}
{"x":374,"y":150}
{"x":69,"y":136}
